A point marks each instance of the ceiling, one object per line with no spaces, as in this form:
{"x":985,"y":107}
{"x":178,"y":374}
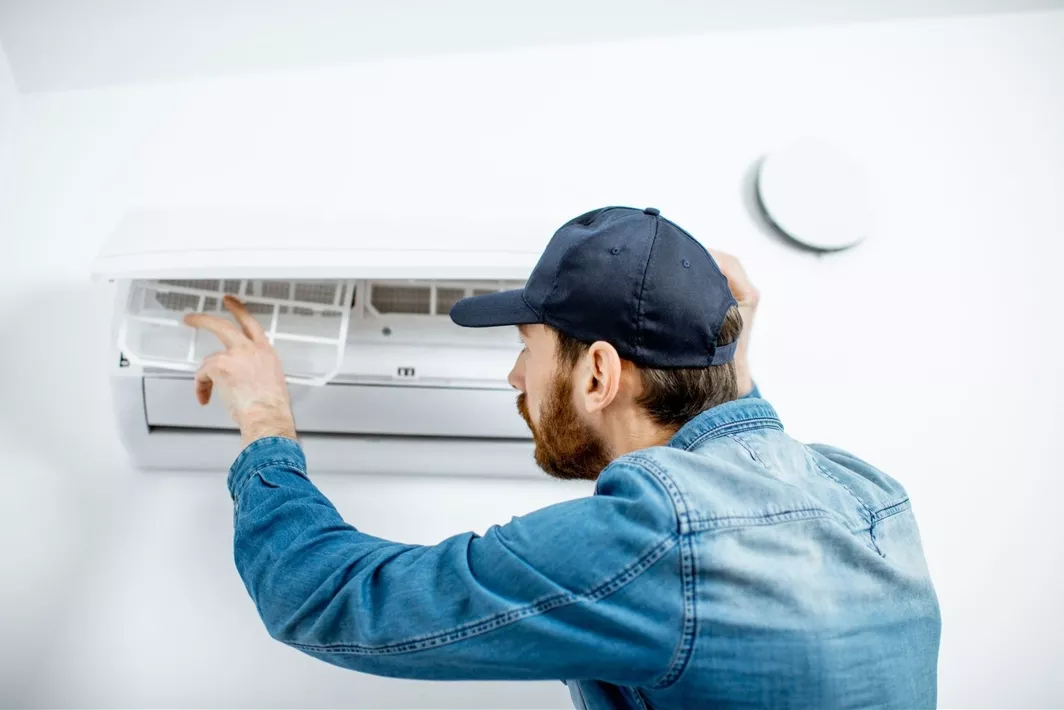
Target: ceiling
{"x":72,"y":44}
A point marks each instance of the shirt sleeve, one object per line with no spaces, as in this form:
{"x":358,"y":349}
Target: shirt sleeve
{"x":575,"y":590}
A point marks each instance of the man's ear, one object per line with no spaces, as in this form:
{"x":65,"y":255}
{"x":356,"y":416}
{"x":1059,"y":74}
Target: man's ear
{"x":602,"y":376}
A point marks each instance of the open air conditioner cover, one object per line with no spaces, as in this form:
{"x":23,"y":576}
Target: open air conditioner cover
{"x":357,"y":306}
{"x":223,"y":242}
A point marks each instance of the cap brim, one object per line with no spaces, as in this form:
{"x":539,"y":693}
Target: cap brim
{"x":492,"y":309}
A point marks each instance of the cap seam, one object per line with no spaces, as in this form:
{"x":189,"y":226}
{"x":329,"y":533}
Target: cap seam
{"x":558,"y":269}
{"x":529,"y":305}
{"x":557,"y":275}
{"x":642,"y":288}
{"x":723,"y":314}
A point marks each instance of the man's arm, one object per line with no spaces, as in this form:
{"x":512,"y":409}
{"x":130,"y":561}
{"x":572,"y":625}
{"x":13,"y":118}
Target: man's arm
{"x":560,"y":593}
{"x":550,"y":595}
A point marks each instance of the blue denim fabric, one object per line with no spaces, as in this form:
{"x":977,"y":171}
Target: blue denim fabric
{"x":734,"y":567}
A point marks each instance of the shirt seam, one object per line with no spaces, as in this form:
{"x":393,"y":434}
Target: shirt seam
{"x":724,"y":522}
{"x":860,"y":501}
{"x":682,"y":652}
{"x":504,"y":618}
{"x":239,"y":478}
{"x":639,"y":698}
{"x":259,"y":468}
{"x":747,"y":448}
{"x":734,"y":428}
{"x":883,"y":513}
{"x":676,"y":497}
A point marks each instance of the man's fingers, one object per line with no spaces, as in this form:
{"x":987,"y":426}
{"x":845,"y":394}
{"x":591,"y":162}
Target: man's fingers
{"x":204,"y":387}
{"x":743,"y":290}
{"x":243,"y":316}
{"x":223,"y":329}
{"x":204,"y":381}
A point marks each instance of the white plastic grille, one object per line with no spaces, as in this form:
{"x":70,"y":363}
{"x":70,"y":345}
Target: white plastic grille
{"x":425,"y":298}
{"x":307,"y":322}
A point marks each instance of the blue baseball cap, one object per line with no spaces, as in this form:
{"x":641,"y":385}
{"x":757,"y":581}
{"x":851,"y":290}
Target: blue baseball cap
{"x":627,"y":276}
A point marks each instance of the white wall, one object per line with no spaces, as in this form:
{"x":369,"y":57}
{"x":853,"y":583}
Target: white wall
{"x":68,"y":44}
{"x":930,"y":350}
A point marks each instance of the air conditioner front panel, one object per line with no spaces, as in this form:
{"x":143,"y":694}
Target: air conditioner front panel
{"x":354,"y":409}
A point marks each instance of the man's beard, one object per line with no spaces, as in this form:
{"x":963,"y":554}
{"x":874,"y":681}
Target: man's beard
{"x":566,"y":447}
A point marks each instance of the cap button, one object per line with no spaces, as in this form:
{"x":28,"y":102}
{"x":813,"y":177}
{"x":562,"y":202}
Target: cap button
{"x":652,"y":211}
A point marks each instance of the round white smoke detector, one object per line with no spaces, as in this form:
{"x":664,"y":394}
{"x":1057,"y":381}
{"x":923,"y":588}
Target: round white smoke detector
{"x":816,"y":195}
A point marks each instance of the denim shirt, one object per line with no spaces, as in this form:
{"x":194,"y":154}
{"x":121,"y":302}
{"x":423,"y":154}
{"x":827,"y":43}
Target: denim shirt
{"x":732,"y":567}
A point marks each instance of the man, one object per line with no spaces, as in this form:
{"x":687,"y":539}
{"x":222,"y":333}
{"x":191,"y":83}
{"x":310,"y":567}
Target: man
{"x":719,"y":564}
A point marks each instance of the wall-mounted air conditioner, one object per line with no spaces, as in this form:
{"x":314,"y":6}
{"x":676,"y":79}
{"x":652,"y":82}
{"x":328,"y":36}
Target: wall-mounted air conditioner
{"x":381,"y":380}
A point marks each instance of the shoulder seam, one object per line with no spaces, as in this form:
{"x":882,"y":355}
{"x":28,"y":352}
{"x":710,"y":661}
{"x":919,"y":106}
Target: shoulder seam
{"x":679,"y":503}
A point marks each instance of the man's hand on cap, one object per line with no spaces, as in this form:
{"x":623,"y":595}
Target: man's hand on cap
{"x":747,"y":296}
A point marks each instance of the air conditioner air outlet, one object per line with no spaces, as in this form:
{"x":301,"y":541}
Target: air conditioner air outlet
{"x":323,"y":329}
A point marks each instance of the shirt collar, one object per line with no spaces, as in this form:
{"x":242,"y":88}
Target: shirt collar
{"x":727,"y":418}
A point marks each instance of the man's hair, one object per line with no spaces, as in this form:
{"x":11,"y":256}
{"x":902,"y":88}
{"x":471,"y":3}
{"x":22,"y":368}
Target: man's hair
{"x":674,"y":396}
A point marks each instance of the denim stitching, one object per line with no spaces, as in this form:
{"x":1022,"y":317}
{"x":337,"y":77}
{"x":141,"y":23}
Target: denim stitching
{"x":505,"y":618}
{"x":786,"y":516}
{"x":899,"y":507}
{"x":740,"y":442}
{"x":679,"y":503}
{"x":871,"y":515}
{"x":639,"y":698}
{"x":687,"y":638}
{"x":273,"y":462}
{"x":265,"y":442}
{"x":736,"y":427}
{"x":682,"y":654}
{"x":882,"y":514}
{"x":261,"y":467}
{"x":262,"y":443}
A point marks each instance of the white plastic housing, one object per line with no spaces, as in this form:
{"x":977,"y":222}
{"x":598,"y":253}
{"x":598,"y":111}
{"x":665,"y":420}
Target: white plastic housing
{"x":382,"y":380}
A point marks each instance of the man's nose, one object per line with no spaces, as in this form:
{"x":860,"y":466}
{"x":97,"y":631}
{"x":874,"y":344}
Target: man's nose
{"x":516,"y":378}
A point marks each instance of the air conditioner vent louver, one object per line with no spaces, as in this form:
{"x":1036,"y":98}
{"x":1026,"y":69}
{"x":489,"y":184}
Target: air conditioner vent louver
{"x":401,"y":299}
{"x":206,"y":285}
{"x":447,"y":297}
{"x":427,"y":298}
